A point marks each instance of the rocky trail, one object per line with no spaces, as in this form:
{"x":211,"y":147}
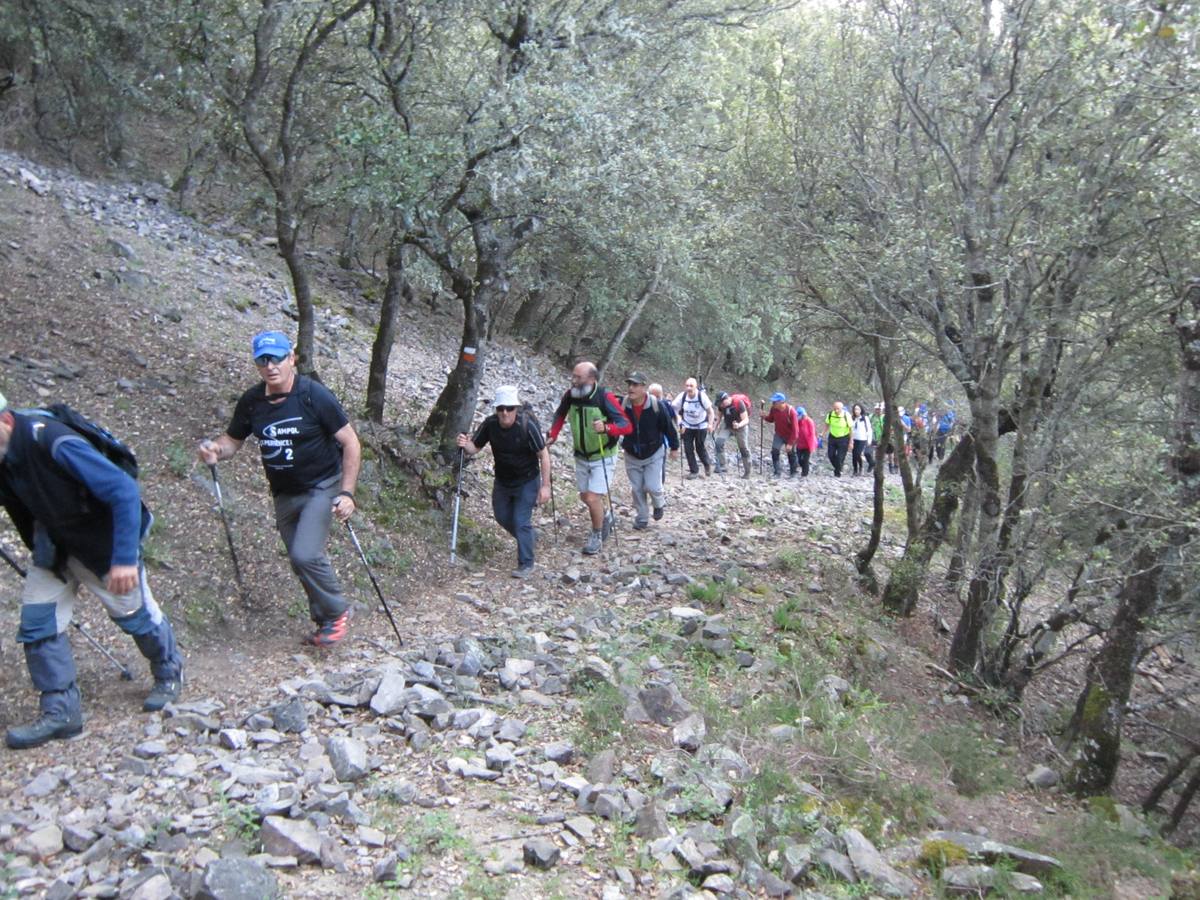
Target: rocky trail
{"x":612,"y":727}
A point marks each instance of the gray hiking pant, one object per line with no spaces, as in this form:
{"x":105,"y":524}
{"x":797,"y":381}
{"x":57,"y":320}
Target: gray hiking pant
{"x":645,"y":477}
{"x":740,"y":437}
{"x":303,"y":521}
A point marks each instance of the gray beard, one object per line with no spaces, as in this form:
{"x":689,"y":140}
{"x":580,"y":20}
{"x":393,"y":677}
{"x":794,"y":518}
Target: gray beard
{"x":581,"y":392}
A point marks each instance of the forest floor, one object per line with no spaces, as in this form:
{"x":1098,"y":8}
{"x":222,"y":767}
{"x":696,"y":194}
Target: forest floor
{"x":820,"y":716}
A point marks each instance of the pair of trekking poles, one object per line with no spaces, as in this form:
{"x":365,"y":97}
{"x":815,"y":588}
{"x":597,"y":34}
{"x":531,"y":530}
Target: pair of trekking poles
{"x":237,"y":568}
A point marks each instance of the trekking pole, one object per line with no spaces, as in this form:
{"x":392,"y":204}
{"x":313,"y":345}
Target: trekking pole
{"x":374,"y":583}
{"x":12,"y":562}
{"x":457,"y":502}
{"x":126,"y":675}
{"x":762,"y":460}
{"x":608,"y":492}
{"x":553,"y":511}
{"x":237,"y":568}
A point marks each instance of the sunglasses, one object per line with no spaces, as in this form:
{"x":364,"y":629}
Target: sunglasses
{"x":506,"y":409}
{"x":268,"y":359}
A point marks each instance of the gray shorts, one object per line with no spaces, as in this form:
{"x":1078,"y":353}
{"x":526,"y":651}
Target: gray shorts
{"x":590,"y":475}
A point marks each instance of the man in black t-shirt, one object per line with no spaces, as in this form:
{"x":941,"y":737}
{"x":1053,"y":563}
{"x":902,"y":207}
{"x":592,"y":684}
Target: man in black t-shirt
{"x":311,"y":455}
{"x":522,"y":470}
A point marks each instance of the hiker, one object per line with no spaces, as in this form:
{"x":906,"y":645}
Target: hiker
{"x":806,"y":439}
{"x":862,"y":435}
{"x":906,"y":427}
{"x":597,"y":421}
{"x":652,"y":425}
{"x":945,"y":427}
{"x":655,"y":390}
{"x":783,"y":417}
{"x":918,"y":433}
{"x":82,"y":518}
{"x":837,"y":434}
{"x":696,"y":418}
{"x":522,"y":470}
{"x":311,"y":455}
{"x":735,"y":421}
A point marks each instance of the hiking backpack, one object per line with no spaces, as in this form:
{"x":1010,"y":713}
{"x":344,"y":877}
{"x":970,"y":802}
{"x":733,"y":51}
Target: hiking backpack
{"x":97,"y":435}
{"x":524,"y":417}
{"x":741,"y":398}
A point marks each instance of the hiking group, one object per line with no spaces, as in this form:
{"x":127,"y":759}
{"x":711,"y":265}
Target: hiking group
{"x":72,"y":493}
{"x":647,"y":429}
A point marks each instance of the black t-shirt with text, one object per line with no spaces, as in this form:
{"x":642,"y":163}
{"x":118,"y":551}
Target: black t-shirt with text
{"x":295,"y":433}
{"x":515,"y":449}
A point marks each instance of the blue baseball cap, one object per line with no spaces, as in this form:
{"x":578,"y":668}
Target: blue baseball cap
{"x":275,"y":343}
{"x":800,"y":411}
{"x":778,"y":397}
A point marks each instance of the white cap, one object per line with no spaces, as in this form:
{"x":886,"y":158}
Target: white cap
{"x":506,"y":396}
{"x":3,"y":403}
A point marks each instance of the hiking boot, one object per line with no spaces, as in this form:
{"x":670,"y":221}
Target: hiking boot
{"x":165,"y":690}
{"x":331,"y":632}
{"x":691,"y":475}
{"x":658,"y":513}
{"x":592,"y":547}
{"x":49,"y":727}
{"x":639,"y":525}
{"x":707,"y":470}
{"x":523,"y":572}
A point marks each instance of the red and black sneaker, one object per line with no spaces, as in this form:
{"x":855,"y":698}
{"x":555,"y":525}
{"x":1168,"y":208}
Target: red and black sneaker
{"x":331,"y":632}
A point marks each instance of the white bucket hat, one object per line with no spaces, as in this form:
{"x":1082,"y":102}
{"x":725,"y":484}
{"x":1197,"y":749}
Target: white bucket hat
{"x":506,"y":396}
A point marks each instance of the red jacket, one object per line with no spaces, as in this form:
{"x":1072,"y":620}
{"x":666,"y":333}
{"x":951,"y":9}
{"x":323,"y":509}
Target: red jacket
{"x":807,"y":429}
{"x":786,"y":424}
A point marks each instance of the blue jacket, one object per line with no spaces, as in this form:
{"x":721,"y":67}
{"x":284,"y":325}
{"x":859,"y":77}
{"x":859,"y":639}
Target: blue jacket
{"x":66,"y":499}
{"x":650,"y":431}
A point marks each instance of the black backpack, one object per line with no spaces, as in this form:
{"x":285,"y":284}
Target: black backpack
{"x":524,"y":417}
{"x":96,"y":435}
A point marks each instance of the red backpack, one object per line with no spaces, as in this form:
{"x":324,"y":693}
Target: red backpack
{"x":740,"y":398}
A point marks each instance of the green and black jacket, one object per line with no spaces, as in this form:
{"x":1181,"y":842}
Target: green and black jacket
{"x":599,"y":405}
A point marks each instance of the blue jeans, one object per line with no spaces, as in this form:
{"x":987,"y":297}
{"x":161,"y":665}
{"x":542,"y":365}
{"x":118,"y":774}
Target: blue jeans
{"x":513,"y":507}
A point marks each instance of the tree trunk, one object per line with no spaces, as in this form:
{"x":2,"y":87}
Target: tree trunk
{"x":1095,"y":727}
{"x":982,"y":593}
{"x":552,"y":327}
{"x":577,"y":336}
{"x":904,"y":585}
{"x":286,"y":228}
{"x":968,"y":523}
{"x":398,"y":291}
{"x":614,"y":345}
{"x":1185,"y":800}
{"x":528,"y":312}
{"x":864,"y":556}
{"x":455,"y":406}
{"x":1169,"y":778}
{"x":348,"y":249}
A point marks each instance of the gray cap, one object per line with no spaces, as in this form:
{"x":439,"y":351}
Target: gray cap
{"x":636,"y":378}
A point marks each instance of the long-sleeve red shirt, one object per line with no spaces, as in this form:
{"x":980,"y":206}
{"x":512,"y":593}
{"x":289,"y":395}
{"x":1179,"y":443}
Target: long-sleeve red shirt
{"x":787,"y":426}
{"x":807,"y":430}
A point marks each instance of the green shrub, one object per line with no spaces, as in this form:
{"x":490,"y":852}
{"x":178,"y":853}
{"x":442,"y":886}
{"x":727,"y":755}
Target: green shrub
{"x":937,"y":855}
